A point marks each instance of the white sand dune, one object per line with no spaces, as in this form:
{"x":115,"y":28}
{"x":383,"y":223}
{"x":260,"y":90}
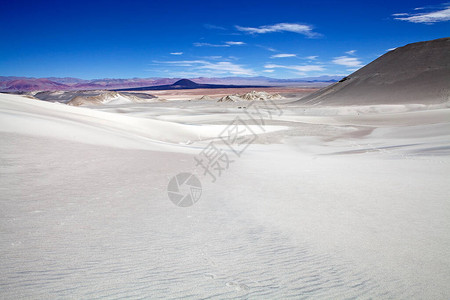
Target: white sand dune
{"x":108,"y":98}
{"x":26,"y":116}
{"x":329,"y":202}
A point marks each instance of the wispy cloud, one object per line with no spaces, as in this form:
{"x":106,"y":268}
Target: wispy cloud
{"x":390,"y":49}
{"x":211,"y":26}
{"x":347,"y":61}
{"x":226,"y":44}
{"x":210,"y":45}
{"x":176,"y":53}
{"x":214,"y":57}
{"x":282,"y":55}
{"x":280,"y":27}
{"x":312,"y":57}
{"x":435,"y":16}
{"x":267,"y":48}
{"x":353,"y":69}
{"x":300,"y":70}
{"x":351,"y":52}
{"x":179,"y":63}
{"x":225,"y":67}
{"x":235,"y":43}
{"x":212,"y":68}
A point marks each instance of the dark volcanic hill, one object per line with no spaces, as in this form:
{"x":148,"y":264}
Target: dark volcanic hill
{"x":415,"y":73}
{"x":185,"y":84}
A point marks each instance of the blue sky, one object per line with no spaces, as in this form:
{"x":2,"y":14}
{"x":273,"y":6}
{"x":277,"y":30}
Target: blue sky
{"x":281,"y":39}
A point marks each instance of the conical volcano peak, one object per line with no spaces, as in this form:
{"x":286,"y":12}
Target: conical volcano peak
{"x":417,"y":73}
{"x":186,"y":83}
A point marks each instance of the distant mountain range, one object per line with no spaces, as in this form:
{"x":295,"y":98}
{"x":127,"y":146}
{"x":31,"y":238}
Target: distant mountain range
{"x":27,"y":84}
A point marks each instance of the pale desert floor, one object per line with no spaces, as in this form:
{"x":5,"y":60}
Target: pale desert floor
{"x":338,"y":202}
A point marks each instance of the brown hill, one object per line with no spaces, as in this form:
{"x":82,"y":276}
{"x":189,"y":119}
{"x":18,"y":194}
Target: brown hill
{"x":415,"y":73}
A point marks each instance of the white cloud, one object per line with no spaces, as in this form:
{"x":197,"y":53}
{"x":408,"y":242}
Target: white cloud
{"x":177,"y":53}
{"x":390,"y":49}
{"x":179,"y":61}
{"x":289,"y":27}
{"x":300,"y":70}
{"x":209,"y":45}
{"x":211,"y":26}
{"x":235,"y":43}
{"x":227,"y":44}
{"x":353,"y":69}
{"x":282,"y":55}
{"x":213,"y":68}
{"x":347,"y":61}
{"x":269,"y":71}
{"x":441,"y":15}
{"x":225,"y":67}
{"x":267,"y":48}
{"x":214,"y":57}
{"x":351,"y":52}
{"x":312,"y":57}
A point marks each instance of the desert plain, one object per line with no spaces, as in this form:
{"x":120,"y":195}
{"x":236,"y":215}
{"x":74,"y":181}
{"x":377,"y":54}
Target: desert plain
{"x":323,"y":201}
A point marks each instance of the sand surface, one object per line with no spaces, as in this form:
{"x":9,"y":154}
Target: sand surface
{"x":328,"y":202}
